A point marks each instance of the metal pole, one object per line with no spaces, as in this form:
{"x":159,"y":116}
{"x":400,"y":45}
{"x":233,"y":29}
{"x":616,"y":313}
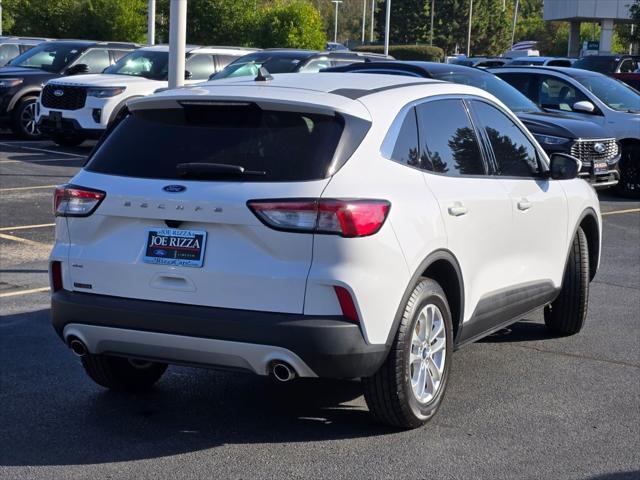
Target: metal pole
{"x":335,"y":26}
{"x":0,"y":17}
{"x":469,"y":31}
{"x":373,"y":11}
{"x":515,"y":20}
{"x":387,"y":24}
{"x":177,"y":40}
{"x":151,"y":23}
{"x":364,"y":17}
{"x":433,"y":10}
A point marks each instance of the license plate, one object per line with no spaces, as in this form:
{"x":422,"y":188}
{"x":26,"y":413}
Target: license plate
{"x":168,"y":246}
{"x":599,"y":168}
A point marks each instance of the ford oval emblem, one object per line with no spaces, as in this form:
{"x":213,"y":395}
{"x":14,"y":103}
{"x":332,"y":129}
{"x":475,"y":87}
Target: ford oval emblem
{"x":58,"y":93}
{"x":174,"y":188}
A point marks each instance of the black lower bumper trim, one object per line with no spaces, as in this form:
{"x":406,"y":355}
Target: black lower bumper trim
{"x":331,"y":346}
{"x":68,"y":127}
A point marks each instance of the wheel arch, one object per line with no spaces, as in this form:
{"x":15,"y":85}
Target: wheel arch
{"x":591,"y":228}
{"x":443,"y":267}
{"x":26,"y":92}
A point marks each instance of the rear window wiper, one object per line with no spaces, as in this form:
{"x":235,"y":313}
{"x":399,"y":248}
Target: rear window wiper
{"x":213,"y":170}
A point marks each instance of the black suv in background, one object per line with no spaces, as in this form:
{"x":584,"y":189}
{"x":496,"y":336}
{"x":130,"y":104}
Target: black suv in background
{"x":285,"y":60}
{"x":11,"y":47}
{"x":596,"y":147}
{"x":22,"y":78}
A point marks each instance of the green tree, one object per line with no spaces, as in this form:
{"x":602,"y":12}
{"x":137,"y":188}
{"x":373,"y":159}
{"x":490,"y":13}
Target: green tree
{"x":409,"y":21}
{"x":117,"y":20}
{"x":290,"y":24}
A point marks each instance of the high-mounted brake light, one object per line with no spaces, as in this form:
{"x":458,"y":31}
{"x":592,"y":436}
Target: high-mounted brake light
{"x":347,"y":218}
{"x":74,"y":201}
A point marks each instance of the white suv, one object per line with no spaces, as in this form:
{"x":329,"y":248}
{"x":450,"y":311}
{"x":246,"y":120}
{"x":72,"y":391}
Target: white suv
{"x":72,"y":109}
{"x":317,"y":225}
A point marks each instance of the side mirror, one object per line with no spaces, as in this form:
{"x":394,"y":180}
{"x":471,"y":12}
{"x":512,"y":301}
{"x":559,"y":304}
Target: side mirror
{"x":187,"y":75}
{"x":564,"y":166}
{"x":77,"y":69}
{"x":584,"y":106}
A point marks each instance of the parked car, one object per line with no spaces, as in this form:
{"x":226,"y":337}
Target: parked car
{"x":480,"y":62}
{"x":543,"y":61}
{"x":592,"y":96}
{"x":21,"y":80}
{"x":556,"y":133}
{"x":72,"y":110}
{"x":290,"y":61}
{"x":625,"y":68}
{"x":296,"y":227}
{"x":11,"y":47}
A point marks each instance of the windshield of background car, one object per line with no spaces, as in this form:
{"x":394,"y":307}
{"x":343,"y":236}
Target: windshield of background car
{"x":142,"y":63}
{"x":507,"y":94}
{"x":596,"y":64}
{"x":286,"y":146}
{"x":614,"y":94}
{"x":249,"y":65}
{"x":49,"y":56}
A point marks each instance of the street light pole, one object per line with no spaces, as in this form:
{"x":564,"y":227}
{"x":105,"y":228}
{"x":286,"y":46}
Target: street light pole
{"x":364,"y":17}
{"x":177,"y":40}
{"x":387,"y":24}
{"x":151,"y":23}
{"x":373,"y":11}
{"x":433,"y":10}
{"x":335,"y":30}
{"x":469,"y":31}
{"x":515,"y":19}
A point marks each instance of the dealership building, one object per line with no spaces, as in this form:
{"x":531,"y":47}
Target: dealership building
{"x":605,"y":12}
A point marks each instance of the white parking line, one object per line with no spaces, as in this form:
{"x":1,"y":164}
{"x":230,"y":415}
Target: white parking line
{"x":24,"y":292}
{"x":26,"y":227}
{"x":617,"y":212}
{"x":43,"y":161}
{"x":44,"y":150}
{"x":17,"y":189}
{"x":21,"y":240}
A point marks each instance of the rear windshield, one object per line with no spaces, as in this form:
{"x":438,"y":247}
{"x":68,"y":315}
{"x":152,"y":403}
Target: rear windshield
{"x":286,"y":146}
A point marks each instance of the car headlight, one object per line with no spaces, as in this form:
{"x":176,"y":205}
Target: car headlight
{"x":10,"y":82}
{"x":105,"y":92}
{"x":551,"y":140}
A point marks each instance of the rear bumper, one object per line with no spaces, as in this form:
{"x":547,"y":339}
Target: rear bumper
{"x":175,"y":333}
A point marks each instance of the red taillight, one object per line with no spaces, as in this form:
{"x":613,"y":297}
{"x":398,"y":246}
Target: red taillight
{"x":348,"y":218}
{"x":346,"y":304}
{"x":56,"y":276}
{"x":73,"y":201}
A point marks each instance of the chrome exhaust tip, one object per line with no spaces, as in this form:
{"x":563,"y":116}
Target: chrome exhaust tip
{"x":282,"y":371}
{"x":78,"y":347}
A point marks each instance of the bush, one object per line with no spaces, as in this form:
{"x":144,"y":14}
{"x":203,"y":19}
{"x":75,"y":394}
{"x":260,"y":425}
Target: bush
{"x":407,"y":52}
{"x":290,"y":24}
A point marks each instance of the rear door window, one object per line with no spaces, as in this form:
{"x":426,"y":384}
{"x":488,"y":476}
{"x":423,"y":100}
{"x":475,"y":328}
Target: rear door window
{"x":286,"y":146}
{"x":448,"y":141}
{"x":96,"y":59}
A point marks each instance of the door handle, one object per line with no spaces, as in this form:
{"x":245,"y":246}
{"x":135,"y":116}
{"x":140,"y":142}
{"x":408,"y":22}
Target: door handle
{"x":457,"y":209}
{"x":524,"y":204}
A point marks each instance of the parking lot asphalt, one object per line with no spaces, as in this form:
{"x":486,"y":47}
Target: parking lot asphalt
{"x":519,"y":404}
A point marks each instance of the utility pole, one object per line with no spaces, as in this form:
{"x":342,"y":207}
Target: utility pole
{"x":373,"y":11}
{"x":151,"y":23}
{"x":433,"y":11}
{"x":469,"y":32}
{"x":515,"y":20}
{"x":177,"y":40}
{"x":364,"y":17}
{"x":387,"y":24}
{"x":335,"y":30}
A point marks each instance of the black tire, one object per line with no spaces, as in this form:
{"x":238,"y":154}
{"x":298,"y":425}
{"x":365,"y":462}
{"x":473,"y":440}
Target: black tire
{"x":388,"y":393}
{"x":23,"y":121}
{"x":68,"y":140}
{"x":122,"y":374}
{"x":566,"y":314}
{"x":629,"y":166}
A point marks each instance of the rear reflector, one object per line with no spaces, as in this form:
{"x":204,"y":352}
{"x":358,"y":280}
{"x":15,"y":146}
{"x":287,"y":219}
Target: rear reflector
{"x":346,"y":304}
{"x":348,"y":218}
{"x":56,"y":276}
{"x":74,"y":201}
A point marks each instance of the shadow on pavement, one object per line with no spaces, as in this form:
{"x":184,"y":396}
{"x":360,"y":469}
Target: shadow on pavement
{"x":522,"y":331}
{"x":52,"y":414}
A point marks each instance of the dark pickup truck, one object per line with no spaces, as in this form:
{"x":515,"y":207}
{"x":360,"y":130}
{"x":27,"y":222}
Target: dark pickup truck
{"x":625,"y":68}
